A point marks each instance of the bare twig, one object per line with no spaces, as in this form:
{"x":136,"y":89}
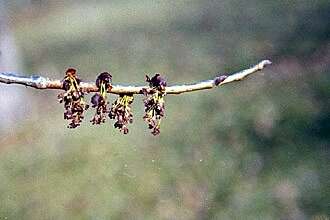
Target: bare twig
{"x":39,"y":82}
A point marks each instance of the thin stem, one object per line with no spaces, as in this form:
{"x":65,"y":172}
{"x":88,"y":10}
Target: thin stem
{"x":39,"y":82}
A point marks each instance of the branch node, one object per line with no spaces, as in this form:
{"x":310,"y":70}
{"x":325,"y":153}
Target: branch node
{"x":219,"y":79}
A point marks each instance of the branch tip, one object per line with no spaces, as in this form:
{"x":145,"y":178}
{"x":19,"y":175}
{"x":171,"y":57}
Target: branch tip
{"x":264,"y":63}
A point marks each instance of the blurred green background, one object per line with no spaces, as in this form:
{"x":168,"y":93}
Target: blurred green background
{"x":256,"y":149}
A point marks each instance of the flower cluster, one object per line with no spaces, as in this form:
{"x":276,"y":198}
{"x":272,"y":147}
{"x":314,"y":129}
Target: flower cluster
{"x":157,"y":82}
{"x":99,"y":100}
{"x":73,"y":99}
{"x":154,"y":102}
{"x":121,"y":112}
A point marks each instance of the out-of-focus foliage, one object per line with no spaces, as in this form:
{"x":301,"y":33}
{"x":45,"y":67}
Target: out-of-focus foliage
{"x":257,"y":149}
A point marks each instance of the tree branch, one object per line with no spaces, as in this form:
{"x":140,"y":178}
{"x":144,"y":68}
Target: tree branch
{"x":39,"y":82}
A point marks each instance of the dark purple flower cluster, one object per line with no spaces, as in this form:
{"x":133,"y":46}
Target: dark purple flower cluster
{"x":121,"y":111}
{"x":101,"y":106}
{"x":156,"y":82}
{"x":154,"y":105}
{"x":73,"y":99}
{"x":99,"y":100}
{"x":104,"y":78}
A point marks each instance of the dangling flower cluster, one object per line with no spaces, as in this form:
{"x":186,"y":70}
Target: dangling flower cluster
{"x":99,"y":100}
{"x":73,"y":99}
{"x":121,"y":111}
{"x":154,"y":102}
